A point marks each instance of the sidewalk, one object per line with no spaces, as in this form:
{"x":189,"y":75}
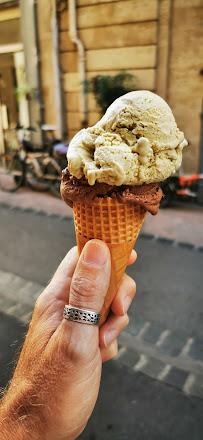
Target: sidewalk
{"x":181,"y":223}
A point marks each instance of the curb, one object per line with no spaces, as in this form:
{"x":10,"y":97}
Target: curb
{"x":189,"y":383}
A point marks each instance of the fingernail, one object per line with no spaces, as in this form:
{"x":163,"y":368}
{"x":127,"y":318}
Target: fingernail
{"x":126,"y":303}
{"x":109,"y":337}
{"x":94,"y":253}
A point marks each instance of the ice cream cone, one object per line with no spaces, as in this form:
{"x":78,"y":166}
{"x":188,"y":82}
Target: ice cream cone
{"x":118,"y":225}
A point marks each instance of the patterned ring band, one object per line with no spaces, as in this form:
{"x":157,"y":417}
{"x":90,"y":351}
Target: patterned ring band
{"x":81,"y":315}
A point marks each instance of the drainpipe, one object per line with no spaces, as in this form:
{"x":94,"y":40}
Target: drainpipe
{"x":81,"y":52}
{"x":41,"y":106}
{"x":57,"y":69}
{"x":200,"y":189}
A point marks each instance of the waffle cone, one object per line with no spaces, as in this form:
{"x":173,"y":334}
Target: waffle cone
{"x":115,"y":223}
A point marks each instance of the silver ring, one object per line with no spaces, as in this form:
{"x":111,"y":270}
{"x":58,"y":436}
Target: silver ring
{"x":81,"y":315}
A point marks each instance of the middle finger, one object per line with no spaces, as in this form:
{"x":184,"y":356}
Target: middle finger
{"x":124,"y":296}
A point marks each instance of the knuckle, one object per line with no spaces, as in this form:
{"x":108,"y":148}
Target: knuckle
{"x":131,"y":285}
{"x":110,"y":352}
{"x":114,"y":350}
{"x":127,"y":320}
{"x":74,"y":348}
{"x":79,"y":352}
{"x":39,"y":305}
{"x":84,"y":288}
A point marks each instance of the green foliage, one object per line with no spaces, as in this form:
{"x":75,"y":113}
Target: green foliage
{"x":24,"y":91}
{"x":107,"y":88}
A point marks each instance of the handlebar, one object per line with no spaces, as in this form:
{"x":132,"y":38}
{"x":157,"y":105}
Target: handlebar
{"x":20,"y":127}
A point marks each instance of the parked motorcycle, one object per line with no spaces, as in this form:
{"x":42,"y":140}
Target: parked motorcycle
{"x":180,"y":188}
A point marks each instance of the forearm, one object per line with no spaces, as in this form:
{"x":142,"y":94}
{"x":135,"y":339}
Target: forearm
{"x":18,"y":421}
{"x":12,"y":429}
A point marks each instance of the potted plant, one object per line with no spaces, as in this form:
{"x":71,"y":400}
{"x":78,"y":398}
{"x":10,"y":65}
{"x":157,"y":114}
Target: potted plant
{"x":25,"y":91}
{"x":107,"y":88}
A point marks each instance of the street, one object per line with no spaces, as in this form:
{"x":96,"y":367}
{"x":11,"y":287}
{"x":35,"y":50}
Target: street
{"x":153,"y":388}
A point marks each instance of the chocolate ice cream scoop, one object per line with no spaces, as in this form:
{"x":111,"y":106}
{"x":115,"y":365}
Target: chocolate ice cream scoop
{"x":79,"y":191}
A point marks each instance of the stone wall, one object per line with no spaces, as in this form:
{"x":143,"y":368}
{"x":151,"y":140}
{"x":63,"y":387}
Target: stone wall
{"x":117,"y":35}
{"x":185,"y":84}
{"x":158,"y":41}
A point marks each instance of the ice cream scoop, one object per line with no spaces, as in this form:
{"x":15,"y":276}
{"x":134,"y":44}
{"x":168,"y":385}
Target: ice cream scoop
{"x":78,"y":190}
{"x":137,"y":141}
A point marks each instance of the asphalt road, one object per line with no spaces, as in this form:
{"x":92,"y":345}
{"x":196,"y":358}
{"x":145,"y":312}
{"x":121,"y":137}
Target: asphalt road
{"x":169,"y":279}
{"x":131,"y":405}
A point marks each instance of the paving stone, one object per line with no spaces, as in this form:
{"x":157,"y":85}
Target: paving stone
{"x":129,"y":357}
{"x":174,"y":343}
{"x":27,"y":209}
{"x":153,"y":332}
{"x":11,"y":336}
{"x":6,"y":278}
{"x":176,"y":377}
{"x":196,"y":350}
{"x":4,"y":205}
{"x":197,"y":387}
{"x":53,"y":215}
{"x":147,"y":236}
{"x":19,"y":310}
{"x":17,"y":208}
{"x":6,"y":303}
{"x":186,"y":245}
{"x":26,"y":318}
{"x":40,"y":212}
{"x":135,"y":325}
{"x":165,"y":240}
{"x":30,"y":291}
{"x":16,"y":284}
{"x":153,"y":367}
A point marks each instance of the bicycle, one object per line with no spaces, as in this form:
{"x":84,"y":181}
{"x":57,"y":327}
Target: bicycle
{"x":40,"y":169}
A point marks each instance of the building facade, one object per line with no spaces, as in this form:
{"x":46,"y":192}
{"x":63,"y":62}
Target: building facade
{"x":158,"y":41}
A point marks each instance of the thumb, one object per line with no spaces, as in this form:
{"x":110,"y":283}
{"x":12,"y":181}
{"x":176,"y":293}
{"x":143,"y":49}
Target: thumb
{"x":90,"y":281}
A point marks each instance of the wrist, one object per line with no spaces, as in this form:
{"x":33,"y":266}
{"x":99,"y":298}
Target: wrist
{"x":10,"y":430}
{"x":17,"y":421}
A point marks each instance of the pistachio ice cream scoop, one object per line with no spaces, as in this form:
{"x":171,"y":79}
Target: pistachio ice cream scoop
{"x":137,"y":141}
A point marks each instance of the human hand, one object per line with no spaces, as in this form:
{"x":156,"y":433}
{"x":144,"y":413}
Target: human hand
{"x":56,"y":381}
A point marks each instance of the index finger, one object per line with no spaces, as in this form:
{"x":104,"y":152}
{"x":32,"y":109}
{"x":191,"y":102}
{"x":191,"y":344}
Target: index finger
{"x":133,"y":257}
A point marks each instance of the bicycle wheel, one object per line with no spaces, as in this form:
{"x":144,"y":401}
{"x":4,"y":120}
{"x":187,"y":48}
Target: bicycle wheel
{"x":11,"y":172}
{"x":33,"y":181}
{"x":54,"y":176}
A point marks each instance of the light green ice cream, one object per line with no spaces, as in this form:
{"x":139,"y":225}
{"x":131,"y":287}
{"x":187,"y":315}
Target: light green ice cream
{"x":137,"y":141}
